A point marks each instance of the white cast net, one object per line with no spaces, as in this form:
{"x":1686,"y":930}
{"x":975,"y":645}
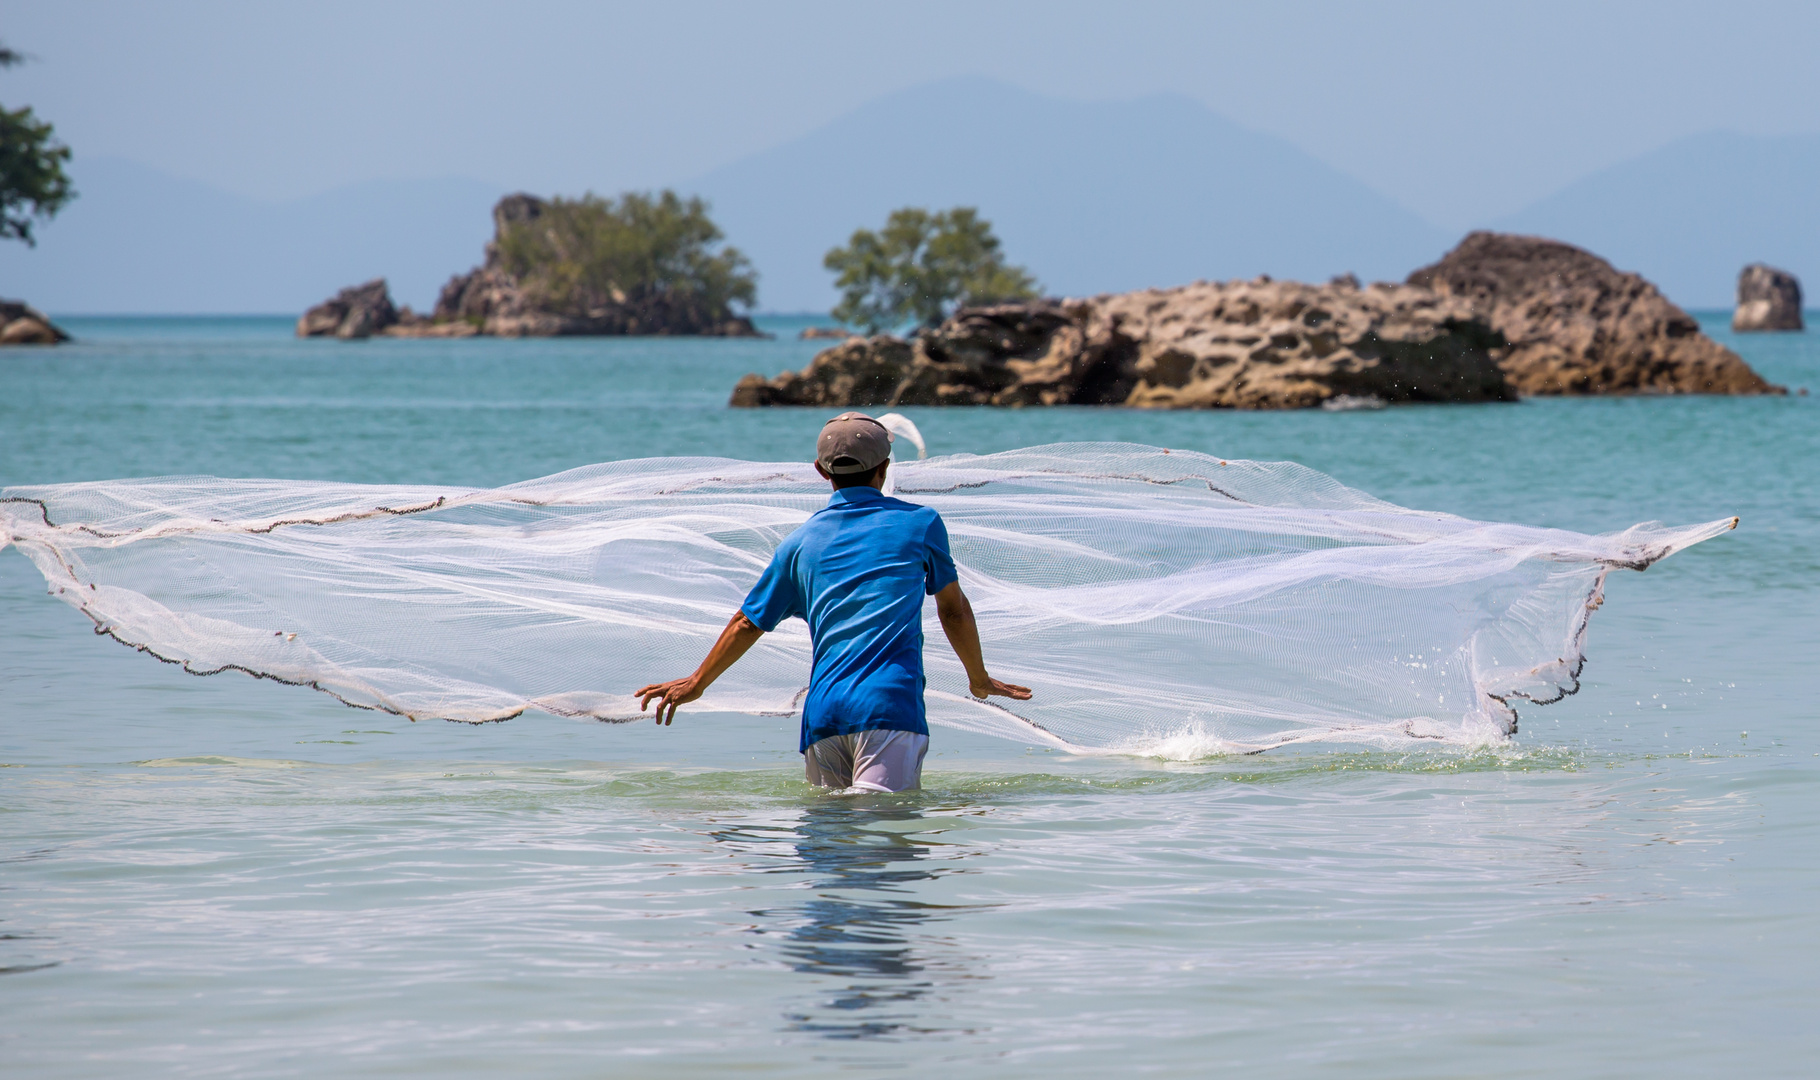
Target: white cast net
{"x":1157,"y":602}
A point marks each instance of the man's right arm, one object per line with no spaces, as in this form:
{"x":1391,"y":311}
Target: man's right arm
{"x":963,"y":631}
{"x":773,"y":599}
{"x":739,"y":635}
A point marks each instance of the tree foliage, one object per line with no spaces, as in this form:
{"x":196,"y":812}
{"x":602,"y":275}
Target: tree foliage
{"x":32,"y":181}
{"x":920,"y":267}
{"x":581,"y":254}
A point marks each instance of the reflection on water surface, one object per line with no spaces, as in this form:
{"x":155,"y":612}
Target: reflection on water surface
{"x":863,"y":926}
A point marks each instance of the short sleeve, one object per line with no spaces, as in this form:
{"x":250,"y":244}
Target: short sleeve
{"x":776,"y":596}
{"x":938,"y":565}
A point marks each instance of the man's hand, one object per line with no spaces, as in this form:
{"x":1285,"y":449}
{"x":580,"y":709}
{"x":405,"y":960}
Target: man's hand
{"x":956,"y":613}
{"x":738,"y":636}
{"x":669,"y":695}
{"x":1002,"y":689}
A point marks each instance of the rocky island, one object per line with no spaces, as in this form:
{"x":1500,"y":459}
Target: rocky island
{"x":636,"y":265}
{"x":1499,"y":316}
{"x":1251,"y":345}
{"x":1768,"y":299}
{"x":1575,"y":325}
{"x":358,"y":311}
{"x":23,"y":324}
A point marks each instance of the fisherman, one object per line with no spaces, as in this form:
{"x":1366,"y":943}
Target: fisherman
{"x":857,"y":572}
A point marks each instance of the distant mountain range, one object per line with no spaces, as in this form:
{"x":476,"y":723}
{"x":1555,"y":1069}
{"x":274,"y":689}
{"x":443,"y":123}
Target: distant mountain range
{"x":1690,"y":215}
{"x":1091,"y":196}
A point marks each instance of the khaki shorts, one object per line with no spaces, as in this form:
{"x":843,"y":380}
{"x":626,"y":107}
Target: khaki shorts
{"x":867,"y":761}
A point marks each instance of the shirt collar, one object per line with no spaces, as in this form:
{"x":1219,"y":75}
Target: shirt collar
{"x":858,"y":493}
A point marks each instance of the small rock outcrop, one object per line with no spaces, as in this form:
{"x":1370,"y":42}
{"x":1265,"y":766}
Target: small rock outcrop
{"x":488,"y":301}
{"x":1246,"y":345}
{"x":23,"y":324}
{"x":833,"y":333}
{"x":1576,"y":325}
{"x":359,"y":311}
{"x":1768,"y":299}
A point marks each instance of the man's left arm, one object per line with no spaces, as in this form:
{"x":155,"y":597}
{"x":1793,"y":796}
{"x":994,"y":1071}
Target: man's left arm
{"x":942,"y":580}
{"x":963,"y":631}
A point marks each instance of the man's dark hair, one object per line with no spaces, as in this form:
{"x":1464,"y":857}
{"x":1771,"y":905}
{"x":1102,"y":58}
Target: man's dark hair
{"x":847,"y":480}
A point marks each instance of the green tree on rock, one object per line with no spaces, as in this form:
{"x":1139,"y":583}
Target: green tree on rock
{"x":578,"y":254}
{"x":32,"y":181}
{"x":920,"y":267}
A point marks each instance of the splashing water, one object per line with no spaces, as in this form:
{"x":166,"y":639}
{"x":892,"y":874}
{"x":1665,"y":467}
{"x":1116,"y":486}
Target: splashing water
{"x":1158,"y":602}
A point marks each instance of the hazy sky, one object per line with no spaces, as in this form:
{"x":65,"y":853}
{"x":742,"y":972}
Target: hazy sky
{"x":1461,"y":111}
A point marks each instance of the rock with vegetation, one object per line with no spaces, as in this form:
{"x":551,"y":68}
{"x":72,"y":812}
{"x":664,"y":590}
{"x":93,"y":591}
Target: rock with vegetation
{"x":1246,"y":344}
{"x":1575,"y":325}
{"x":634,"y":265}
{"x":920,"y":268}
{"x":1768,"y":299}
{"x":359,"y":311}
{"x":23,"y":324}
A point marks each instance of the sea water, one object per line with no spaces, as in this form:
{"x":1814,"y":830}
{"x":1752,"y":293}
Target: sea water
{"x":220,"y":876}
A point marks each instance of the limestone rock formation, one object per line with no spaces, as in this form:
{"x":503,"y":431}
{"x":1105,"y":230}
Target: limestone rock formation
{"x":492,"y":303}
{"x":489,"y":301}
{"x":860,"y":371}
{"x":834,"y":333}
{"x":23,"y":324}
{"x":1248,"y":344}
{"x":1575,"y":325}
{"x":359,"y":311}
{"x":1768,"y":299}
{"x":486,"y":299}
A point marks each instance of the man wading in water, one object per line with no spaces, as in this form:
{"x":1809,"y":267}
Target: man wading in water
{"x":857,"y":571}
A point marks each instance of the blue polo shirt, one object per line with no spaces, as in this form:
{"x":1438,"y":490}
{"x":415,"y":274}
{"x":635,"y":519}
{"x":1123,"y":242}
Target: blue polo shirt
{"x":857,"y":571}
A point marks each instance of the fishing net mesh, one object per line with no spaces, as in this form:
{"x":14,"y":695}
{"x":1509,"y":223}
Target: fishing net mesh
{"x":1156,"y":601}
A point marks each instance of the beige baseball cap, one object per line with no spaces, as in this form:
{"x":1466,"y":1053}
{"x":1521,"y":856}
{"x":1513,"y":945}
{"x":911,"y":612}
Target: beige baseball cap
{"x":852,"y":443}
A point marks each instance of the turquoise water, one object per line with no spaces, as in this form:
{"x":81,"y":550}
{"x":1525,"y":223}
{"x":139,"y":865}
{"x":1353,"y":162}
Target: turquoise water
{"x":217,"y":876}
